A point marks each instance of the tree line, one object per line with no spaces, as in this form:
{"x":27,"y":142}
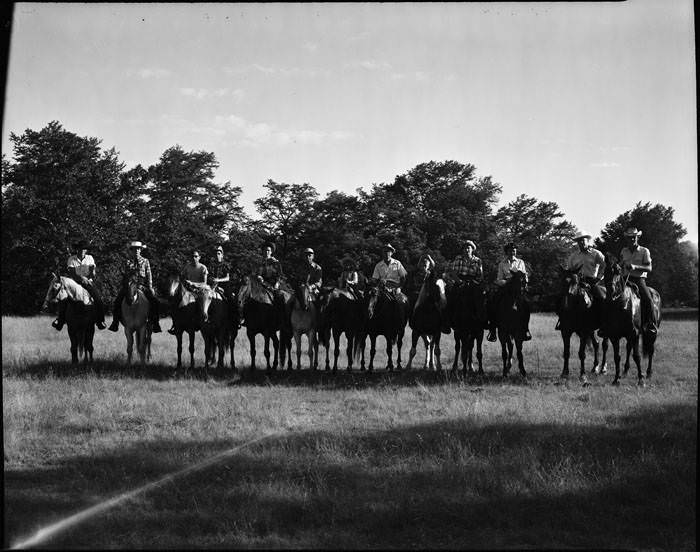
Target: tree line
{"x":59,"y":188}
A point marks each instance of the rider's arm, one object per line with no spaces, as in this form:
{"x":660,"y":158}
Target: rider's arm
{"x":149,"y":276}
{"x":403,"y":273}
{"x":600,"y":259}
{"x":376,"y":275}
{"x":646,"y":260}
{"x":500,"y":275}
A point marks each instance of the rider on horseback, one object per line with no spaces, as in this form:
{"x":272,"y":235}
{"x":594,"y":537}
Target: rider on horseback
{"x":81,"y":268}
{"x":467,"y":269}
{"x":271,"y":275}
{"x":636,"y":264}
{"x":391,"y":273}
{"x":194,"y":276}
{"x":505,"y":268}
{"x":312,"y":273}
{"x":414,"y":284}
{"x":590,"y":264}
{"x":219,"y":279}
{"x":138,"y":267}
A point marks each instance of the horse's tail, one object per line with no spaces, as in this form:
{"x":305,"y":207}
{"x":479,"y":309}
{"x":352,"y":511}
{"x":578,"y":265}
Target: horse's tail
{"x":357,"y":345}
{"x":648,"y":340}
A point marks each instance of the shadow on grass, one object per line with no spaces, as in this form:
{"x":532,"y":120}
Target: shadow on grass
{"x":627,"y":484}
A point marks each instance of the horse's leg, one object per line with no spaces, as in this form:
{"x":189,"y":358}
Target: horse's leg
{"x":637,"y":359}
{"x":504,"y":353}
{"x":266,"y":351}
{"x":232,"y":345}
{"x":455,"y":362}
{"x":519,"y":349}
{"x":627,"y":357}
{"x":129,"y":345}
{"x":428,"y":364}
{"x":276,"y":345}
{"x":178,"y":335}
{"x":251,"y":341}
{"x":650,"y":354}
{"x":469,"y":363}
{"x":297,"y":342}
{"x":223,"y":340}
{"x":141,"y":344}
{"x":336,"y":348}
{"x":616,"y":356}
{"x":313,"y":349}
{"x":604,"y":362}
{"x":399,"y":345}
{"x":479,"y":354}
{"x":389,"y":354}
{"x":361,"y":338}
{"x":582,"y":358}
{"x":436,"y":350}
{"x":596,"y":348}
{"x":566,"y":338}
{"x":372,"y":351}
{"x":412,"y":352}
{"x":191,"y":334}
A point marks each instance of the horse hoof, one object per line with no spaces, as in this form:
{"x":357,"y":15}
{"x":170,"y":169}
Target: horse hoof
{"x":641,"y":382}
{"x":616,"y":382}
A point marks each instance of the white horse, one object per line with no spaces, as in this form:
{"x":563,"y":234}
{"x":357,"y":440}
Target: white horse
{"x":134,"y":310}
{"x":304,"y":320}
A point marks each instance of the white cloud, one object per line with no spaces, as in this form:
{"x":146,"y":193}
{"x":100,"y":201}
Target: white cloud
{"x":254,"y":134}
{"x":370,"y":64}
{"x":310,"y":46}
{"x":153,"y":73}
{"x":277,"y":71}
{"x":604,"y":164}
{"x":204,"y":93}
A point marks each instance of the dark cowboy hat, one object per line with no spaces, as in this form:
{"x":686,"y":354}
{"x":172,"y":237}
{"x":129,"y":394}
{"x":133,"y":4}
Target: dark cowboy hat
{"x":388,"y":247}
{"x":81,"y":244}
{"x":509,"y":245}
{"x":348,"y":260}
{"x":270,"y":245}
{"x":632,"y":231}
{"x":470,"y":242}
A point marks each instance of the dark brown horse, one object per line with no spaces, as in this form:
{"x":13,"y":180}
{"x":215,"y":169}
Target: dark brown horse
{"x":342,"y":312}
{"x":510,"y":321}
{"x":466,"y":305}
{"x":256,"y":302}
{"x":186,"y":315}
{"x":218,"y":328}
{"x":623,"y":319}
{"x":577,"y":315}
{"x":426,"y":321}
{"x":80,"y":315}
{"x":386,"y":315}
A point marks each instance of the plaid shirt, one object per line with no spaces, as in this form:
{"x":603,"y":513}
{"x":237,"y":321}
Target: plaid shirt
{"x":271,"y":270}
{"x":141,"y":268}
{"x":467,"y":267}
{"x":219,"y":270}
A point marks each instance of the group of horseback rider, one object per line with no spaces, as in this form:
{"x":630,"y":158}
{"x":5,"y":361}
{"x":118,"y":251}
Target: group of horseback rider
{"x":388,"y":272}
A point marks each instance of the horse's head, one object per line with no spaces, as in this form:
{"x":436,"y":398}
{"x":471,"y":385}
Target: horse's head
{"x":56,"y":291}
{"x":516,"y":284}
{"x":302,"y":297}
{"x":205,"y":297}
{"x":612,"y":276}
{"x":373,"y":293}
{"x":244,"y":292}
{"x":132,"y":290}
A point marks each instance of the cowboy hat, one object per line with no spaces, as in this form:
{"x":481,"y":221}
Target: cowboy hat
{"x":136,"y":243}
{"x":582,"y":234}
{"x":308,"y":250}
{"x":470,"y":242}
{"x":388,"y":247}
{"x":509,"y":245}
{"x":219,"y":248}
{"x":347,"y":260}
{"x":632,"y":231}
{"x":270,"y":245}
{"x":81,"y":244}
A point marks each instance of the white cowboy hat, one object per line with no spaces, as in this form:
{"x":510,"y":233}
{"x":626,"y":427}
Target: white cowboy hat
{"x":308,"y":250}
{"x":219,"y":248}
{"x":582,"y":234}
{"x":632,"y":231}
{"x":136,"y":243}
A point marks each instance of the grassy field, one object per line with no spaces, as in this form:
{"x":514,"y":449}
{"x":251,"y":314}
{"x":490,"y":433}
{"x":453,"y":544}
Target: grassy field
{"x":353,"y":460}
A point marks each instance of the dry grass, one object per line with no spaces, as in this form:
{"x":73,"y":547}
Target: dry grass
{"x":407,"y":460}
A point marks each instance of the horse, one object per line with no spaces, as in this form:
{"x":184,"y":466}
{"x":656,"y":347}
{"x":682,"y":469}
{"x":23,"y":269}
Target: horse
{"x":467,"y":317}
{"x":386,"y":315}
{"x":342,"y":312}
{"x":426,"y":321}
{"x":219,"y":328}
{"x":134,"y":316}
{"x":577,"y":315}
{"x":623,"y":318}
{"x":256,"y":302}
{"x":80,"y":314}
{"x":186,"y":316}
{"x":304,"y":320}
{"x":510,"y":321}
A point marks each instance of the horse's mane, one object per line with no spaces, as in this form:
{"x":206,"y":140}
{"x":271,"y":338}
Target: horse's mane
{"x":75,"y":291}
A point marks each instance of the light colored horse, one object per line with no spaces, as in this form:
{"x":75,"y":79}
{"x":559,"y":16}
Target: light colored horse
{"x":134,"y":310}
{"x":304,"y":320}
{"x":80,"y":314}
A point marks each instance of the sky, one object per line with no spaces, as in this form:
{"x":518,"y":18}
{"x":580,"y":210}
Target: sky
{"x":589,"y":105}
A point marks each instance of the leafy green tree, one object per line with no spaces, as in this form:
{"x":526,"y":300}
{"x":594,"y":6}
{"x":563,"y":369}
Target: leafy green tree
{"x":58,"y":188}
{"x":186,"y":209}
{"x":673,"y":273}
{"x":284,"y":210}
{"x":544,"y":239}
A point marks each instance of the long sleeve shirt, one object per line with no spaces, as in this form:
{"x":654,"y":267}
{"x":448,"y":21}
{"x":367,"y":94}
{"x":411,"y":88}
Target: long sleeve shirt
{"x":141,"y":268}
{"x":504,"y":268}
